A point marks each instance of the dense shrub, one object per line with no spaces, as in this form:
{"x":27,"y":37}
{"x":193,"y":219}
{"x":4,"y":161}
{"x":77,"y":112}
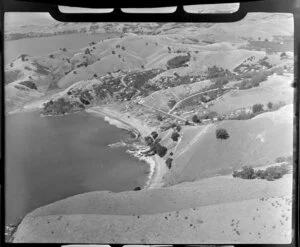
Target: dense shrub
{"x":154,"y":134}
{"x":275,"y":172}
{"x":23,"y":57}
{"x":159,"y":118}
{"x":160,"y":150}
{"x":247,"y":172}
{"x":175,"y":135}
{"x":60,"y":106}
{"x":195,"y":119}
{"x":29,"y":84}
{"x":222,"y":134}
{"x":177,"y":61}
{"x":51,"y":56}
{"x":283,"y":55}
{"x":270,"y":174}
{"x":137,"y":188}
{"x":257,"y":108}
{"x":217,"y":72}
{"x":178,"y":128}
{"x":169,"y":163}
{"x":270,"y":105}
{"x":243,"y":116}
{"x":148,"y":140}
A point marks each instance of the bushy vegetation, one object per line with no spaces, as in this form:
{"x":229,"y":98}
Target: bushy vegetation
{"x":222,"y":134}
{"x":160,"y":150}
{"x":283,"y":55}
{"x":159,"y":118}
{"x":217,"y":72}
{"x":247,"y":172}
{"x":270,"y":174}
{"x":254,"y":78}
{"x":60,"y":106}
{"x":154,"y":134}
{"x":177,"y":61}
{"x":270,"y":105}
{"x":24,"y":57}
{"x":169,"y":163}
{"x":257,"y":108}
{"x":29,"y":84}
{"x":148,"y":140}
{"x":196,"y":119}
{"x":51,"y":56}
{"x":175,"y":135}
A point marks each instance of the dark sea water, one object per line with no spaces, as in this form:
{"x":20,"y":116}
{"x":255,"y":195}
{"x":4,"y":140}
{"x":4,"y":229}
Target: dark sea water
{"x":51,"y":158}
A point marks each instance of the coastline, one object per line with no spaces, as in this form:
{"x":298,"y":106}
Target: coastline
{"x":135,"y":125}
{"x":130,"y":123}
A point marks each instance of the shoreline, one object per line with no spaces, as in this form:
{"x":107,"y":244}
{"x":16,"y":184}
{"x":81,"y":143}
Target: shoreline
{"x":130,"y":123}
{"x":137,"y":126}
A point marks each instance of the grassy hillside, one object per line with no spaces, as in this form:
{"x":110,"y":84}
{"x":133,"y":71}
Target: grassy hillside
{"x":258,"y":141}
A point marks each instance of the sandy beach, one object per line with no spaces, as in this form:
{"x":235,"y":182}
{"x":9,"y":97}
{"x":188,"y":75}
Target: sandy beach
{"x":129,"y":122}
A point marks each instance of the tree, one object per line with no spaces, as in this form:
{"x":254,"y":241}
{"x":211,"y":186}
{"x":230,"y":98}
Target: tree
{"x":160,"y":150}
{"x":169,"y":162}
{"x":64,"y":49}
{"x":178,"y":128}
{"x":137,"y":188}
{"x":283,"y":55}
{"x":257,"y":108}
{"x":195,"y":119}
{"x":270,"y":105}
{"x":222,"y":134}
{"x":148,"y":140}
{"x":154,"y":134}
{"x":87,"y":51}
{"x":159,"y":118}
{"x":175,"y":135}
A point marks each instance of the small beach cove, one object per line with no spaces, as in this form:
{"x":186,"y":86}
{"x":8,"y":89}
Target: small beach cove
{"x":52,"y":158}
